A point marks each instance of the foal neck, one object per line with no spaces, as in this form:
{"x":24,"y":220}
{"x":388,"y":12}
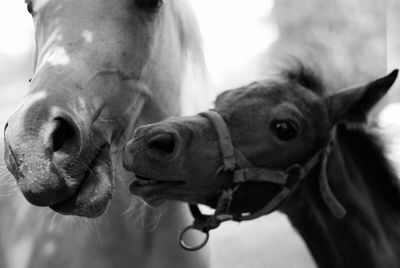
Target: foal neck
{"x":369,"y":234}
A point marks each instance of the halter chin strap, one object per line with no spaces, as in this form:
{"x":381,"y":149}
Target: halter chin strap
{"x":243,"y":171}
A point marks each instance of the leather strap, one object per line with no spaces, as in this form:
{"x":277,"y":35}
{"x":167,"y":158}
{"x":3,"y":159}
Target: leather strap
{"x":329,"y":198}
{"x":225,"y":142}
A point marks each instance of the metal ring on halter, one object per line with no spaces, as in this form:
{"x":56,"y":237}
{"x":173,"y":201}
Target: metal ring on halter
{"x":188,"y":247}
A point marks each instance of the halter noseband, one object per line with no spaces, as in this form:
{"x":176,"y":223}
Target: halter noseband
{"x":243,"y":171}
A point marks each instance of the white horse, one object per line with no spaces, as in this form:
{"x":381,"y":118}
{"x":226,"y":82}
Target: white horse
{"x":101,"y":68}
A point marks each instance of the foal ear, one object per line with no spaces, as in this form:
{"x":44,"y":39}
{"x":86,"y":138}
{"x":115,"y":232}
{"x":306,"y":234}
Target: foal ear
{"x":355,"y":103}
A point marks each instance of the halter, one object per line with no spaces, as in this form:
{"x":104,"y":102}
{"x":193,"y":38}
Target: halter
{"x":234,"y":161}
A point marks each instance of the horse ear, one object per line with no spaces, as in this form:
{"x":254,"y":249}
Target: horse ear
{"x":355,"y":103}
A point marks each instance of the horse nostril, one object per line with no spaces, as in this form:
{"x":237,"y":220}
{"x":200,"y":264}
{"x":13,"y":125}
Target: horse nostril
{"x":164,"y":143}
{"x":63,"y":134}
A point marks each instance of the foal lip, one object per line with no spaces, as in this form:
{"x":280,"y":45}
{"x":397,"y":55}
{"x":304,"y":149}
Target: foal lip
{"x":151,"y":181}
{"x":147,"y":182}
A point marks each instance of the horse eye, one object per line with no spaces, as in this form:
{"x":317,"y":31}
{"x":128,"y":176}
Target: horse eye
{"x":150,"y":5}
{"x":29,"y":7}
{"x":284,"y":130}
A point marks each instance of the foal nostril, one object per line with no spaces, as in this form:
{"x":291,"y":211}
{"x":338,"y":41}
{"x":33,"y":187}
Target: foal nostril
{"x":63,"y":135}
{"x":163,"y":143}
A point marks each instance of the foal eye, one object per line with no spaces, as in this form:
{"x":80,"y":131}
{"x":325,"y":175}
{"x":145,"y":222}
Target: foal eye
{"x":150,"y":5}
{"x":285,"y":130}
{"x":29,"y":7}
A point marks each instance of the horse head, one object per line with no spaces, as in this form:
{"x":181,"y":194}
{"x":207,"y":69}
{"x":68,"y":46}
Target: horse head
{"x":274,"y":124}
{"x":96,"y":64}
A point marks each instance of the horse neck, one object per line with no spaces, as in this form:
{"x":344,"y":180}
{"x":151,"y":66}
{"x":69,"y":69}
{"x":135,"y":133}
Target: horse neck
{"x":368,"y":236}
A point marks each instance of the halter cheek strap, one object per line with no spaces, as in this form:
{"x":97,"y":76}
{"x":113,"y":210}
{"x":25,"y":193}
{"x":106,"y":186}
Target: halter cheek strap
{"x":327,"y":195}
{"x":225,"y":141}
{"x":243,"y":171}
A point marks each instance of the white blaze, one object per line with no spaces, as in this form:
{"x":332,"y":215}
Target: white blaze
{"x":87,"y":36}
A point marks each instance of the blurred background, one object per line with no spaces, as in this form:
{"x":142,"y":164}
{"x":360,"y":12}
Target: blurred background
{"x":351,"y":41}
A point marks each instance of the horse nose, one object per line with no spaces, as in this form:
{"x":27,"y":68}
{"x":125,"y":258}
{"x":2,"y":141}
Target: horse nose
{"x":40,"y":145}
{"x":62,"y":138}
{"x":161,"y":145}
{"x":153,"y":145}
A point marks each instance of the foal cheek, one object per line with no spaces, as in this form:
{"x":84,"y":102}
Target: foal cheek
{"x":201,"y":171}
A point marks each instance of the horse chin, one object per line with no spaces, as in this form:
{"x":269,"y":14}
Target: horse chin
{"x":94,"y":194}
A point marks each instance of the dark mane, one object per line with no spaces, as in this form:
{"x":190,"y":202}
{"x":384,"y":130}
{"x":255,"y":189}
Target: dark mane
{"x":304,"y":75}
{"x":369,"y":149}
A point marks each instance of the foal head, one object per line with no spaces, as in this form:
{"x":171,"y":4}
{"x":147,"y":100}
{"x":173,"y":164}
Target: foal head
{"x":275,"y":123}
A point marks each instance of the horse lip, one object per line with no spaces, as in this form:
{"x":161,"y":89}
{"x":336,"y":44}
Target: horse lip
{"x":142,"y":181}
{"x":149,"y":188}
{"x":68,"y":206}
{"x":145,"y":177}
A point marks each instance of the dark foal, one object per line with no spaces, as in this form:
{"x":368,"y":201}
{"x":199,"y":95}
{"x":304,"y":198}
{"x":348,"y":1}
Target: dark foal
{"x":344,"y":198}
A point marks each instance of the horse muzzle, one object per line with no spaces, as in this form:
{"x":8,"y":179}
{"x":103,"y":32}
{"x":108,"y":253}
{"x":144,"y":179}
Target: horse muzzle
{"x":37,"y":153}
{"x":160,"y":144}
{"x":52,"y":162}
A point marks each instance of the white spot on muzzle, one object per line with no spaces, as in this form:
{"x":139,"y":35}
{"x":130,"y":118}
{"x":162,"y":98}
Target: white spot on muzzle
{"x":87,"y":36}
{"x":57,"y":56}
